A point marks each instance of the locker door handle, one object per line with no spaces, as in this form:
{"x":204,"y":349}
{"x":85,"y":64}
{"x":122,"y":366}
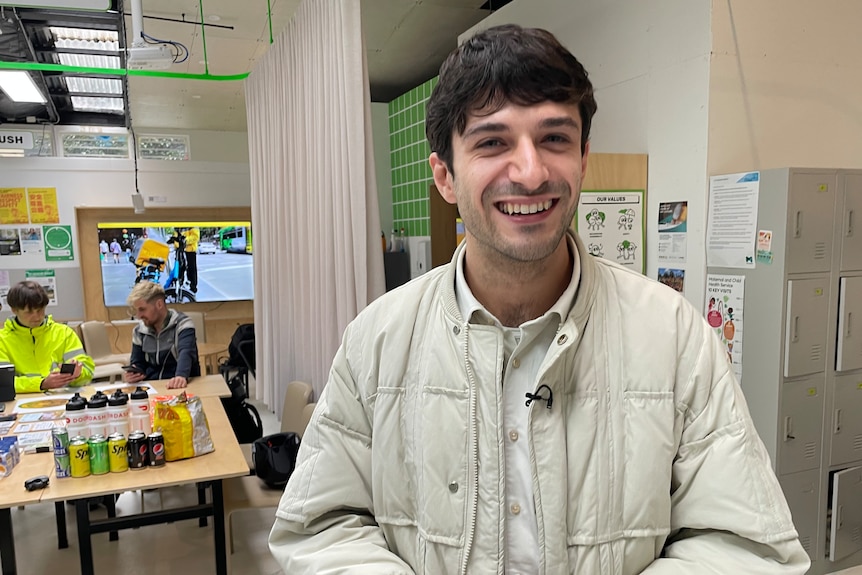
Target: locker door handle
{"x":840,"y":513}
{"x":849,"y":322}
{"x":849,"y":231}
{"x":797,"y":232}
{"x":794,"y":336}
{"x":837,"y":428}
{"x":788,"y":429}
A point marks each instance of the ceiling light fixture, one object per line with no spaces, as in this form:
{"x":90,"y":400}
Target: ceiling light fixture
{"x":19,"y":86}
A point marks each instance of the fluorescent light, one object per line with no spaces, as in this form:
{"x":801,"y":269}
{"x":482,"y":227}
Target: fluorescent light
{"x":91,"y":104}
{"x":19,"y":86}
{"x":83,"y":84}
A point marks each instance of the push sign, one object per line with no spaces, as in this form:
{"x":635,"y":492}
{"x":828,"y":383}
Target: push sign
{"x":16,"y":140}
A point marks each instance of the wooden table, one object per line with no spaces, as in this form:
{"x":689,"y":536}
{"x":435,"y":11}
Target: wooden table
{"x":209,"y":352}
{"x":226,"y":461}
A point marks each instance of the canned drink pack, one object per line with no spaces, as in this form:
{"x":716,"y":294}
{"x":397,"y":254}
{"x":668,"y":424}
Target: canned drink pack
{"x":79,"y":454}
{"x":118,"y":456}
{"x":137,"y":447}
{"x":156,"y":443}
{"x":99,"y":455}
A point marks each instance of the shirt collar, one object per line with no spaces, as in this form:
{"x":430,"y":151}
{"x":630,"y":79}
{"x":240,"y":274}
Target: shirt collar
{"x":474,"y":312}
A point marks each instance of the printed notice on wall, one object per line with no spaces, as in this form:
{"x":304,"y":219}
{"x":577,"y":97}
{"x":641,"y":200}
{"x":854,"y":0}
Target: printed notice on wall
{"x":13,"y":206}
{"x":611,"y":224}
{"x":725,"y":296}
{"x":731,"y":232}
{"x":43,"y":205}
{"x":4,"y":285}
{"x":58,"y":243}
{"x":47,"y":280}
{"x":672,"y":234}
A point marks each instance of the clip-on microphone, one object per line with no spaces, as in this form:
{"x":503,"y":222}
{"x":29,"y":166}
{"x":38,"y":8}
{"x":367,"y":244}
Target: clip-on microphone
{"x":538,"y":396}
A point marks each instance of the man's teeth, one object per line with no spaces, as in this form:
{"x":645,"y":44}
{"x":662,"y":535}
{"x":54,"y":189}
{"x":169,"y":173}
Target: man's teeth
{"x":525,"y":208}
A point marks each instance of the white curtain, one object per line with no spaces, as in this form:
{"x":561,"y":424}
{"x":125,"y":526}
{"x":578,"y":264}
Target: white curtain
{"x":316,"y":223}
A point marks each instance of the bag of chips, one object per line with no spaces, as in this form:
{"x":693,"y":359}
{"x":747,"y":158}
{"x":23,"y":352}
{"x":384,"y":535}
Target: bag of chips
{"x":183,"y":424}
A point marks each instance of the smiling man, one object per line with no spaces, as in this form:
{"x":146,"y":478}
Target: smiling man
{"x":529,"y":408}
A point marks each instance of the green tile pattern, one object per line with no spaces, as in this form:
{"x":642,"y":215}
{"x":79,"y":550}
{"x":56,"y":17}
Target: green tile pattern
{"x":411,"y":174}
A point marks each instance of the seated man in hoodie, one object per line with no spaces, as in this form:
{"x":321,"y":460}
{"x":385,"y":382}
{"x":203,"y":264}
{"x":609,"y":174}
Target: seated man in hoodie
{"x":38,"y":346}
{"x":164,"y":345}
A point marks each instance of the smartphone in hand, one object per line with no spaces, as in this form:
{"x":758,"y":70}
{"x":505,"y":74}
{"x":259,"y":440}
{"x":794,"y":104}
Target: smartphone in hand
{"x":67,"y":368}
{"x":133,"y":369}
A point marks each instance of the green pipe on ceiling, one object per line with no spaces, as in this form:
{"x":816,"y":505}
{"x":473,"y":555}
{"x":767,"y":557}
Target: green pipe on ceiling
{"x":119,"y":71}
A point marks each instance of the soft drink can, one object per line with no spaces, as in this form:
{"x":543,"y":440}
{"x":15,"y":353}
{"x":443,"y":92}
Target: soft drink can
{"x":99,"y":455}
{"x":156,"y":443}
{"x":118,"y":455}
{"x":79,"y":454}
{"x":62,"y":466}
{"x":138,"y":448}
{"x":60,"y":436}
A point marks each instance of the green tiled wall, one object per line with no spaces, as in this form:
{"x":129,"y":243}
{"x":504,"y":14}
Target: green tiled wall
{"x":411,"y":174}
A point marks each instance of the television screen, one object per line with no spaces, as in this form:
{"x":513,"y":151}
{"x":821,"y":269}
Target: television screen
{"x":193,"y":261}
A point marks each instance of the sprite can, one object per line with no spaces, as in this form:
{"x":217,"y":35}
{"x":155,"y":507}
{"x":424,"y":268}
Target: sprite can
{"x":99,"y":455}
{"x":79,"y":454}
{"x":118,"y":458}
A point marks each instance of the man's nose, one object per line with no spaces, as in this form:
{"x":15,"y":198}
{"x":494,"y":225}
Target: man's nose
{"x":527,"y":167}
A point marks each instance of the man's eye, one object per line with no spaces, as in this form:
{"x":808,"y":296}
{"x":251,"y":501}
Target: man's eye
{"x":557,"y":139}
{"x":489,"y":144}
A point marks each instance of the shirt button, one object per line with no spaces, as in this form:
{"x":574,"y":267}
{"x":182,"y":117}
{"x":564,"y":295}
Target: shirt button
{"x":513,"y":435}
{"x":516,"y":363}
{"x":516,"y":509}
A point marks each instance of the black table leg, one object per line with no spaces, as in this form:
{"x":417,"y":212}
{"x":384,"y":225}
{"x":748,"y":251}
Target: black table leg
{"x":60,"y":515}
{"x":202,"y":500}
{"x":111,"y":504}
{"x":7,"y":543}
{"x":218,"y":528}
{"x":85,"y":546}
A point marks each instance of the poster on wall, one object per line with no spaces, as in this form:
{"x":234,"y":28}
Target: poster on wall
{"x":47,"y":280}
{"x":43,"y":205}
{"x":672,"y":278}
{"x":31,"y":240}
{"x":13,"y":206}
{"x":672,"y":234}
{"x":4,"y":286}
{"x":10,"y":242}
{"x":58,"y":243}
{"x":611,"y":224}
{"x":731,"y":230}
{"x":725,"y":295}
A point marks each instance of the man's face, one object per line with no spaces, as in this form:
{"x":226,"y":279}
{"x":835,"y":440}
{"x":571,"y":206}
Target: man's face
{"x":151,"y":313}
{"x":30,"y":317}
{"x":519,"y":174}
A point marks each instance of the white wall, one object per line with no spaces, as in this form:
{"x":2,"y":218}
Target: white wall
{"x":382,"y":163}
{"x":110,"y":183}
{"x":649,"y":63}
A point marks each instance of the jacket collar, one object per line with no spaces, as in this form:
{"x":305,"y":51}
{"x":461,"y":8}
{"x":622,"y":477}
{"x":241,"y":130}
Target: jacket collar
{"x":15,"y":327}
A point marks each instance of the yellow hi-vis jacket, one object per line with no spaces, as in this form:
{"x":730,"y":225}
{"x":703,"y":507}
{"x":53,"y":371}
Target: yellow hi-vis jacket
{"x":38,"y":351}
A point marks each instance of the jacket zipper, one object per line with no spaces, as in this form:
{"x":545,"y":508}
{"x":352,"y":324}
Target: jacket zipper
{"x":474,"y":508}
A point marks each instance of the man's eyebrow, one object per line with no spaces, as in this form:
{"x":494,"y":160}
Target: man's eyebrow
{"x":560,"y":122}
{"x":499,"y":127}
{"x":492,"y":127}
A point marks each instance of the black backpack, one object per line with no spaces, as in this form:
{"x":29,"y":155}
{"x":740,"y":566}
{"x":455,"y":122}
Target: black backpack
{"x":241,"y":348}
{"x":275,"y":458}
{"x":243,"y":416}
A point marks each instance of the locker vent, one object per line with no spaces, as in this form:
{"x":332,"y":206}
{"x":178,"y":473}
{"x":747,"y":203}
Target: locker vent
{"x":857,"y":442}
{"x":819,"y":250}
{"x":806,"y":543}
{"x":856,"y":536}
{"x":816,"y":352}
{"x":810,"y":450}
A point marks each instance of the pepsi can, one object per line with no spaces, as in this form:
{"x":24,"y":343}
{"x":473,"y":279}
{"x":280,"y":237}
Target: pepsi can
{"x":156,"y":444}
{"x":138,"y":450}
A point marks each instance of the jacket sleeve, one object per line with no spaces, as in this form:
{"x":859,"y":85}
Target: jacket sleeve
{"x":325,"y":522}
{"x":187,"y":352}
{"x":728,"y":513}
{"x":74,"y":349}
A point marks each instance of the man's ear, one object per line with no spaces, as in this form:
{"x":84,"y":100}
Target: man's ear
{"x":443,"y":178}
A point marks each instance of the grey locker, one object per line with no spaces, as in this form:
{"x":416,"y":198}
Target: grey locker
{"x":851,"y":232}
{"x":846,"y":524}
{"x":810,"y":225}
{"x":846,"y":420}
{"x":849,"y":356}
{"x":806,"y":326}
{"x":801,"y":421}
{"x":802,"y":491}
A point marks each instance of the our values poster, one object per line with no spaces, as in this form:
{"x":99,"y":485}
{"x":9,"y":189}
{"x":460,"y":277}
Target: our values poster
{"x":611,"y":224}
{"x":58,"y":243}
{"x":47,"y":280}
{"x":43,"y":205}
{"x":13,"y":206}
{"x":725,"y":296}
{"x":672,"y":234}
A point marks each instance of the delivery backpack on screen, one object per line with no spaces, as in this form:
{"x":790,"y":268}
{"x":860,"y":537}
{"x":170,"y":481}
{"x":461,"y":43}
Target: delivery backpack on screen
{"x":243,"y":416}
{"x":274,"y":458}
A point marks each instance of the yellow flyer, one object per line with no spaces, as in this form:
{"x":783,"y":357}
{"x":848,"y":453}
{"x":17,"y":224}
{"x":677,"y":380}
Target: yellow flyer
{"x":43,"y":205}
{"x":13,"y":206}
